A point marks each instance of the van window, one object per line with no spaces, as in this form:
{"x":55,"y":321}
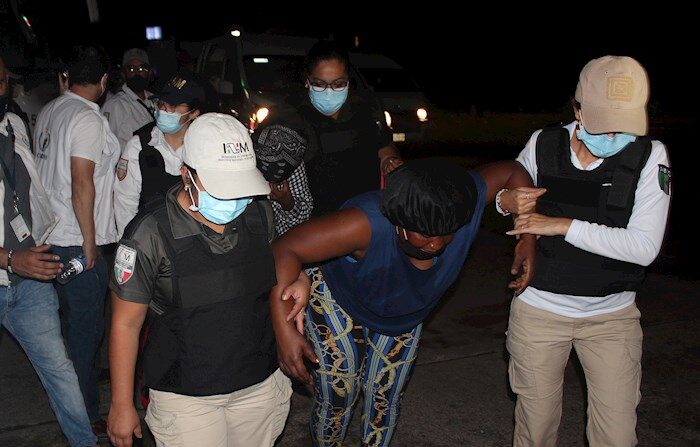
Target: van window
{"x":274,"y":73}
{"x":215,"y":64}
{"x":389,"y":79}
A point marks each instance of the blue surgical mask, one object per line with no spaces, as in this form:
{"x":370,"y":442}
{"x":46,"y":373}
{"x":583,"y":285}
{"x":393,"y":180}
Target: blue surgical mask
{"x":169,"y":122}
{"x":603,"y":145}
{"x":328,"y":101}
{"x":216,"y":210}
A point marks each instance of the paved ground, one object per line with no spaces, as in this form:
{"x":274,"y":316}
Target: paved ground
{"x":459,"y":394}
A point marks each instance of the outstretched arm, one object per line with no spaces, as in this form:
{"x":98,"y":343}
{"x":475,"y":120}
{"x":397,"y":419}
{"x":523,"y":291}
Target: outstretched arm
{"x":346,"y":232}
{"x":505,"y":174}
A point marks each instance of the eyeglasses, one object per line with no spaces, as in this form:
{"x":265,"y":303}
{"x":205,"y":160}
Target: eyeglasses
{"x":138,"y":68}
{"x":319,"y":85}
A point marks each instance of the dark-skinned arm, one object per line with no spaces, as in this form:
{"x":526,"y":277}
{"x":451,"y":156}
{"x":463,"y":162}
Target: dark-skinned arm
{"x":511,"y":174}
{"x":83,"y":199}
{"x":341,"y":233}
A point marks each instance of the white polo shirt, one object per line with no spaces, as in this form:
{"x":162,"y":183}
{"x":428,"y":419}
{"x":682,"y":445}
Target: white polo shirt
{"x":127,"y":191}
{"x":127,"y":113}
{"x":639,"y":243}
{"x":71,"y":126}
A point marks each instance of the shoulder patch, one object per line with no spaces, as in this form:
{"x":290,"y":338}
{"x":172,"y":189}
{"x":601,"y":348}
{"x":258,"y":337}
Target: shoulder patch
{"x":122,"y":168}
{"x":124,"y":262}
{"x":665,"y":179}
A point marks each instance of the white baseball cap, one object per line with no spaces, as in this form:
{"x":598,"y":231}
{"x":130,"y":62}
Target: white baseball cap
{"x":219,"y":148}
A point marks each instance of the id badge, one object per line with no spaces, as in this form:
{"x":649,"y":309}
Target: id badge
{"x":19,"y":226}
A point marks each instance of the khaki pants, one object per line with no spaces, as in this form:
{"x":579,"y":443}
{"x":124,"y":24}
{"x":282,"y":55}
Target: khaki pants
{"x":610,"y":350}
{"x":253,"y":416}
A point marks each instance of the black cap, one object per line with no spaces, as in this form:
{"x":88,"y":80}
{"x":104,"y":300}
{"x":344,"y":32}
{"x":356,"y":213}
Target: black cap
{"x":182,"y":89}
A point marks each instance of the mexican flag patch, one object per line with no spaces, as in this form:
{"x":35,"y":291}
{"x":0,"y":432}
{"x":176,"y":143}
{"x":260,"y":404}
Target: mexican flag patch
{"x":665,"y":179}
{"x":124,"y":262}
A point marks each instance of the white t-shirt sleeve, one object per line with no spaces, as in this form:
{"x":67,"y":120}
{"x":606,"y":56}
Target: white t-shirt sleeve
{"x":127,"y":192}
{"x":87,"y":138}
{"x":528,"y":156}
{"x":640,"y":242}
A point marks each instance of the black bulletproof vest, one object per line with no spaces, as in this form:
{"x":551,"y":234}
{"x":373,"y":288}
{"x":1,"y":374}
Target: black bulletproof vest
{"x":605,"y":196}
{"x":216,"y":336}
{"x":155,"y":181}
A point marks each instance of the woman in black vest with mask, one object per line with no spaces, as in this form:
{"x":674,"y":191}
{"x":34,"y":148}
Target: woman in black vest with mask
{"x":201,"y":264}
{"x":349,"y":143}
{"x":602,"y":221}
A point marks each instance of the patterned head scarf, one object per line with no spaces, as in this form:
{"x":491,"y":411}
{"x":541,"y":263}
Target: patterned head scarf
{"x":279,"y":151}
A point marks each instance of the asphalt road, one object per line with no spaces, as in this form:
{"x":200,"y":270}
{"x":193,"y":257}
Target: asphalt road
{"x":459,"y":394}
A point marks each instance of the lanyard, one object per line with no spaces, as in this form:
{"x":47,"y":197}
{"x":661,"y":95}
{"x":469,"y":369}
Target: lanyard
{"x":9,"y":175}
{"x":148,"y":109}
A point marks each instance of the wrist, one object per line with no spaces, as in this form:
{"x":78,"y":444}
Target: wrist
{"x":564,"y":225}
{"x":502,"y":210}
{"x":122,"y":405}
{"x":9,"y":261}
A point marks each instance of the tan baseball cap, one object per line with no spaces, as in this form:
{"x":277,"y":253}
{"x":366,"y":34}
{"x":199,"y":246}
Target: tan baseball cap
{"x":613,"y":92}
{"x":219,"y":148}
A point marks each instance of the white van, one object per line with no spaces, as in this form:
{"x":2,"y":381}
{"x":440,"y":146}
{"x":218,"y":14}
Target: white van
{"x":403,"y":100}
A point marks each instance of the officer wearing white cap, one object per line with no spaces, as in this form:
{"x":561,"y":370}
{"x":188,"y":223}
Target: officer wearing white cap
{"x":602,"y":221}
{"x":150,"y":162}
{"x":130,"y":109}
{"x":201,"y":262}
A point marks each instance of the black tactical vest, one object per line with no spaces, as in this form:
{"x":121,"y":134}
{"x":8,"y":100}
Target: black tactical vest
{"x":216,"y":336}
{"x":155,"y":181}
{"x":605,"y":196}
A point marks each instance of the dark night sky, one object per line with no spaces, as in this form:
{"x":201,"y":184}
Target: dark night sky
{"x":500,"y":59}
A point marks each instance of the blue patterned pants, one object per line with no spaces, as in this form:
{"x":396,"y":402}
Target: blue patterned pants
{"x":353,"y":359}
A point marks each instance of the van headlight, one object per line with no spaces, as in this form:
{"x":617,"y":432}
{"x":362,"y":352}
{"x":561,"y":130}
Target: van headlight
{"x":387,"y":118}
{"x":422,"y":114}
{"x":261,"y":114}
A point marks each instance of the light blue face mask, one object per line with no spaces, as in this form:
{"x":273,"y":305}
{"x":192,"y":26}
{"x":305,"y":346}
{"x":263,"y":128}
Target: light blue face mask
{"x":169,"y":122}
{"x":603,"y":145}
{"x":215,"y":210}
{"x":328,"y":101}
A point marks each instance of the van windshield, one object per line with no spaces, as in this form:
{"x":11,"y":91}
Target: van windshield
{"x":389,"y":79}
{"x":274,"y":73}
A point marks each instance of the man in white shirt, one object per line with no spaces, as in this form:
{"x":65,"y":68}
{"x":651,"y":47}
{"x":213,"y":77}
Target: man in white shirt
{"x":602,"y":221}
{"x":130,"y":109}
{"x":76,"y":154}
{"x":28,"y":303}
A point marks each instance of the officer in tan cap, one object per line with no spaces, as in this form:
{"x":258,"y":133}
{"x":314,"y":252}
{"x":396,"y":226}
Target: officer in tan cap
{"x":601,"y":223}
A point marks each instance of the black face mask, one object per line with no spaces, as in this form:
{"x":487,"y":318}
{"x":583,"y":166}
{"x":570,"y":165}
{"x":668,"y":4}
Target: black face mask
{"x":137,"y":83}
{"x":4,"y":104}
{"x":416,"y":253}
